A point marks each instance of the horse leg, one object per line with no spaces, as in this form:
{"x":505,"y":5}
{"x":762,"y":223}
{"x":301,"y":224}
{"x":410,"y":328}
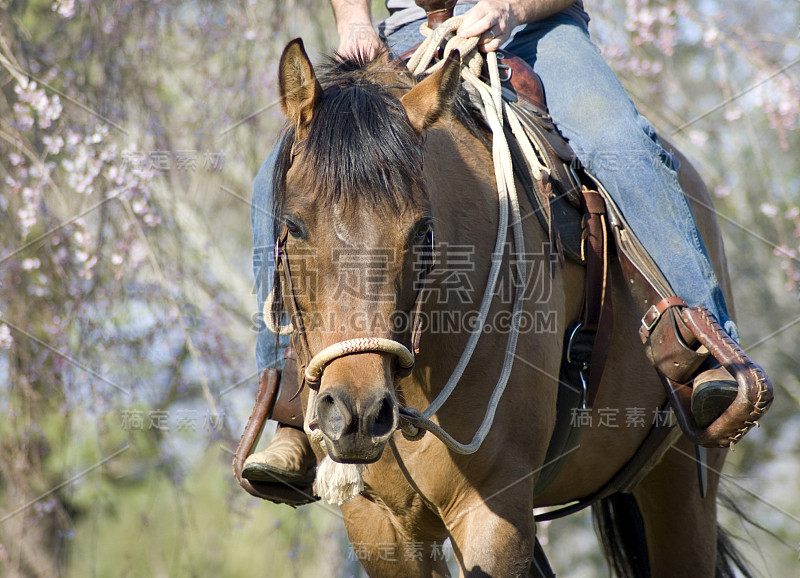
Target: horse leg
{"x":381,"y":543}
{"x":493,"y":532}
{"x":680,"y":526}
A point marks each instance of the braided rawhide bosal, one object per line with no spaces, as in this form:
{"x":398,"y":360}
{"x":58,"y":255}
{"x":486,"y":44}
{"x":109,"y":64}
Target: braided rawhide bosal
{"x":405,"y":359}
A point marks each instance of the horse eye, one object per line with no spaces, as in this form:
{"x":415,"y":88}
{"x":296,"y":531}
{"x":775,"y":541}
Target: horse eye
{"x":293,"y":228}
{"x":423,"y":232}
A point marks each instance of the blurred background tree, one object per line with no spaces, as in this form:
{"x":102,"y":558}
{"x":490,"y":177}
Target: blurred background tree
{"x":129,"y":136}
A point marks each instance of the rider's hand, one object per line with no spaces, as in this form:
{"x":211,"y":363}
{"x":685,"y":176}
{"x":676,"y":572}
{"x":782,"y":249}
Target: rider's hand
{"x":358,"y":38}
{"x":493,"y":20}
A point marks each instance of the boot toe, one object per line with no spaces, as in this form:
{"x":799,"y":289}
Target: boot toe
{"x":255,"y":471}
{"x":711,"y":398}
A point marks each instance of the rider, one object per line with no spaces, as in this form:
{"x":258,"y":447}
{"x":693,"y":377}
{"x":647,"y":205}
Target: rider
{"x":609,"y":136}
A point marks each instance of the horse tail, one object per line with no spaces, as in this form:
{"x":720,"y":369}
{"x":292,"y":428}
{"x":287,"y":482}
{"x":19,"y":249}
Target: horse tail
{"x":619,"y":525}
{"x":620,"y":528}
{"x":729,"y":559}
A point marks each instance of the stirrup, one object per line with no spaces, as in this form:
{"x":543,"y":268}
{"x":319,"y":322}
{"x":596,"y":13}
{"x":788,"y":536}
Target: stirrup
{"x":279,"y":493}
{"x":678,"y":339}
{"x":678,"y":361}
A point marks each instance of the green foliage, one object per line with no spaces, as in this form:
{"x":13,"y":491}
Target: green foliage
{"x":203,"y":526}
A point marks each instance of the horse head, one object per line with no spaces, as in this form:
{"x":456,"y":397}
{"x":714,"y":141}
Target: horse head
{"x":353,"y":221}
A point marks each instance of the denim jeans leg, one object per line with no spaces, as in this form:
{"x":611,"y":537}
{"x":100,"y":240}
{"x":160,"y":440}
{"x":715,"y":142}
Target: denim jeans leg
{"x":269,"y":347}
{"x":618,"y":145}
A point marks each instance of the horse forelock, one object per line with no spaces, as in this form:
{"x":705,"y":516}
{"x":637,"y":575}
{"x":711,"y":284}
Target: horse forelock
{"x":359,"y":145}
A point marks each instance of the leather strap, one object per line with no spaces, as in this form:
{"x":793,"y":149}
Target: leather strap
{"x":595,"y":249}
{"x":656,"y":311}
{"x":597,"y":313}
{"x":299,"y":341}
{"x":540,"y":563}
{"x":288,"y":408}
{"x":438,"y":11}
{"x":520,"y":82}
{"x":430,"y":263}
{"x":755,"y":388}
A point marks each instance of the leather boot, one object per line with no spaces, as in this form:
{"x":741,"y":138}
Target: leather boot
{"x":288,"y":458}
{"x":718,"y":393}
{"x":677,"y":353}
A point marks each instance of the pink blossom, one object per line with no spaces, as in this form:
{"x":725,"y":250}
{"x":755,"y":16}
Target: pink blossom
{"x":53,"y":144}
{"x":64,"y":8}
{"x":6,"y":341}
{"x":31,"y":263}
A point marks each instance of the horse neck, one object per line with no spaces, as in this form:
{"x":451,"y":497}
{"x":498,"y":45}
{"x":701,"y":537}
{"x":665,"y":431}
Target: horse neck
{"x":461,"y":185}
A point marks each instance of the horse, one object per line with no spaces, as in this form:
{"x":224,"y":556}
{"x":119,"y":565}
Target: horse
{"x":374,"y":165}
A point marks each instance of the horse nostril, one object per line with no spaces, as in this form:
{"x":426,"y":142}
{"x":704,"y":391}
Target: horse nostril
{"x":334,"y":416}
{"x":385,"y":421}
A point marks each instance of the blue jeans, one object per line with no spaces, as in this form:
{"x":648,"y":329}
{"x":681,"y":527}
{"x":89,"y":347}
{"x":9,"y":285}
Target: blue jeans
{"x":618,"y":145}
{"x":269,"y":347}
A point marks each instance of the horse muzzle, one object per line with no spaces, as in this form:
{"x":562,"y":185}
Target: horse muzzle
{"x":356,"y":429}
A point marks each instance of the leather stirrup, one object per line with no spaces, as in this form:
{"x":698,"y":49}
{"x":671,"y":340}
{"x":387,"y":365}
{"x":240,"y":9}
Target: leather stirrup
{"x":677,"y":365}
{"x":279,"y":493}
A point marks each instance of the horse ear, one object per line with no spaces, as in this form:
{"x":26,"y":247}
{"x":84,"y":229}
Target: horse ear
{"x":433,"y":96}
{"x":299,"y":88}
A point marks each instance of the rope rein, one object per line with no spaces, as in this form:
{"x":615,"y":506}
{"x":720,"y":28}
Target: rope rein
{"x":495,"y":110}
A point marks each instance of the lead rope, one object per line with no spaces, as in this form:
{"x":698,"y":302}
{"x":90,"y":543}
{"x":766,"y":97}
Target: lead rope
{"x":494,"y":110}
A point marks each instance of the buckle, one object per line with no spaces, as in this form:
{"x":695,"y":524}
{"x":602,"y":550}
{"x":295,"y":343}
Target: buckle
{"x":653,"y":315}
{"x":656,"y":311}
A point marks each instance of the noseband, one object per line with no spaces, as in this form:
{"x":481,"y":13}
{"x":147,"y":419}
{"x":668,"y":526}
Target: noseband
{"x":405,"y":359}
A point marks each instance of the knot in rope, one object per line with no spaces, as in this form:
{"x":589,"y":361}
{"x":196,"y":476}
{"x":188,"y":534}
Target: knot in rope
{"x":412,"y":427}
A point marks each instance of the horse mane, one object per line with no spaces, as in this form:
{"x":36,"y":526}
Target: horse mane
{"x":360,"y":144}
